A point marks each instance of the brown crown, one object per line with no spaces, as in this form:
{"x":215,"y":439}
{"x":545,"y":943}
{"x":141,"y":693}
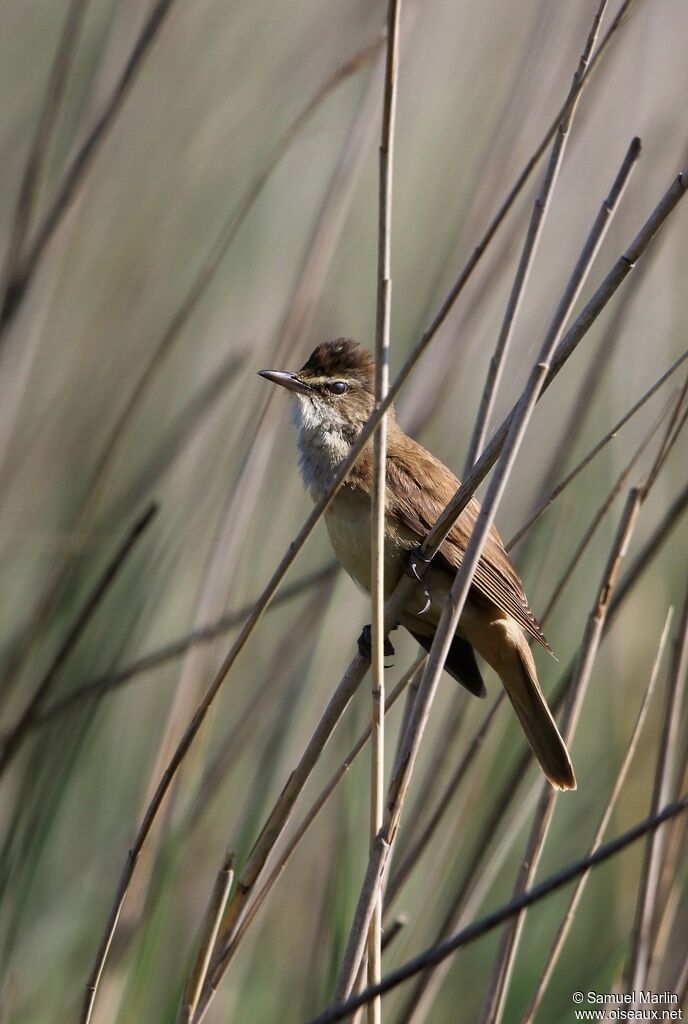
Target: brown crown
{"x":343,"y":358}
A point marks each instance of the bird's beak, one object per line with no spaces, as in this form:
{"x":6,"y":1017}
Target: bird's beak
{"x":288,"y":380}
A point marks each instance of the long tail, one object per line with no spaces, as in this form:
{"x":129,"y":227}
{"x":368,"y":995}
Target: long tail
{"x":520,"y":681}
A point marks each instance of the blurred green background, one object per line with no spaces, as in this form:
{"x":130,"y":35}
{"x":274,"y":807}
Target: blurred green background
{"x":479,"y":83}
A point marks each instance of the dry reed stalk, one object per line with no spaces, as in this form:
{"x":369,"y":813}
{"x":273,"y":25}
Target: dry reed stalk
{"x":599,"y":516}
{"x":461,"y":585}
{"x":16,"y":733}
{"x":439,"y":756}
{"x":286,"y":662}
{"x":567,"y":920}
{"x":377,"y":517}
{"x":40,"y":146}
{"x":429,"y":982}
{"x":497,"y":993}
{"x":646,"y":910}
{"x":564,"y":349}
{"x":103,"y":685}
{"x":669,"y":901}
{"x":495,"y":1002}
{"x":591,"y":382}
{"x":594,"y":451}
{"x":435,"y":954}
{"x":662,"y":532}
{"x":423,"y":835}
{"x":530,"y":247}
{"x":225,"y":951}
{"x":211,"y":925}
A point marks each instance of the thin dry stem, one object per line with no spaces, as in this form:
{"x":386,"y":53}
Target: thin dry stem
{"x":567,"y":920}
{"x":499,"y":986}
{"x":441,"y":753}
{"x":660,"y":535}
{"x":435,"y":954}
{"x":285,"y":663}
{"x":104,"y":685}
{"x":211,"y":925}
{"x":646,"y":906}
{"x":423,"y":836}
{"x":377,"y":518}
{"x":498,"y":990}
{"x":599,"y":516}
{"x":547,"y":502}
{"x":226,"y":952}
{"x":429,"y":982}
{"x":593,"y":378}
{"x":674,"y":428}
{"x":530,"y":247}
{"x":589,"y":314}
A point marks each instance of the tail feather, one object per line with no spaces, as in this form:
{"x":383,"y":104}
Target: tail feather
{"x":523,"y":690}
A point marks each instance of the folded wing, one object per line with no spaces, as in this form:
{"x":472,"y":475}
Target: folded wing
{"x":420,"y":488}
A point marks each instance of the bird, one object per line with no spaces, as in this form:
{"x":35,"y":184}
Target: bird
{"x":333,"y":396}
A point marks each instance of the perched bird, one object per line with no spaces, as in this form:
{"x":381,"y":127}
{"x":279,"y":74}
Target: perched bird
{"x":333,"y":396}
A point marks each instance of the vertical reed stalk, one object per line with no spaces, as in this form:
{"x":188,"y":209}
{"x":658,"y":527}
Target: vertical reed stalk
{"x":377,"y":522}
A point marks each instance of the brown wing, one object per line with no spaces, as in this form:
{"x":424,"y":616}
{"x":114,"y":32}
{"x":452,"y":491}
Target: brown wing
{"x":420,"y":488}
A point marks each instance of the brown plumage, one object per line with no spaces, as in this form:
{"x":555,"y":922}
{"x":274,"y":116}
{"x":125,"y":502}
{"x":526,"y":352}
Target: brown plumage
{"x":334,"y":393}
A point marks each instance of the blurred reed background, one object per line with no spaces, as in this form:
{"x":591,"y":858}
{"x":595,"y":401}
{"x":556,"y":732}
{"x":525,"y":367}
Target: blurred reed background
{"x":120,"y":384}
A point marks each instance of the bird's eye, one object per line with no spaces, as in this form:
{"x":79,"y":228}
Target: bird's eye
{"x":338,"y":388}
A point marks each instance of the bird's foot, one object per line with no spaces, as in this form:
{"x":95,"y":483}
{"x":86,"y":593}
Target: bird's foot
{"x":417,"y":568}
{"x":365,"y":644}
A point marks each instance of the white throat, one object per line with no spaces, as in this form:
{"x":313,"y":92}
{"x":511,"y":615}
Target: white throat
{"x":320,"y":441}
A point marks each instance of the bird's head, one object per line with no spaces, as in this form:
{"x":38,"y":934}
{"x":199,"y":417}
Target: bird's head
{"x":333,"y":392}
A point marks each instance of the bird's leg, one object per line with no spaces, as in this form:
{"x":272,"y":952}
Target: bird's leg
{"x":417,"y":569}
{"x":365,"y":644}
